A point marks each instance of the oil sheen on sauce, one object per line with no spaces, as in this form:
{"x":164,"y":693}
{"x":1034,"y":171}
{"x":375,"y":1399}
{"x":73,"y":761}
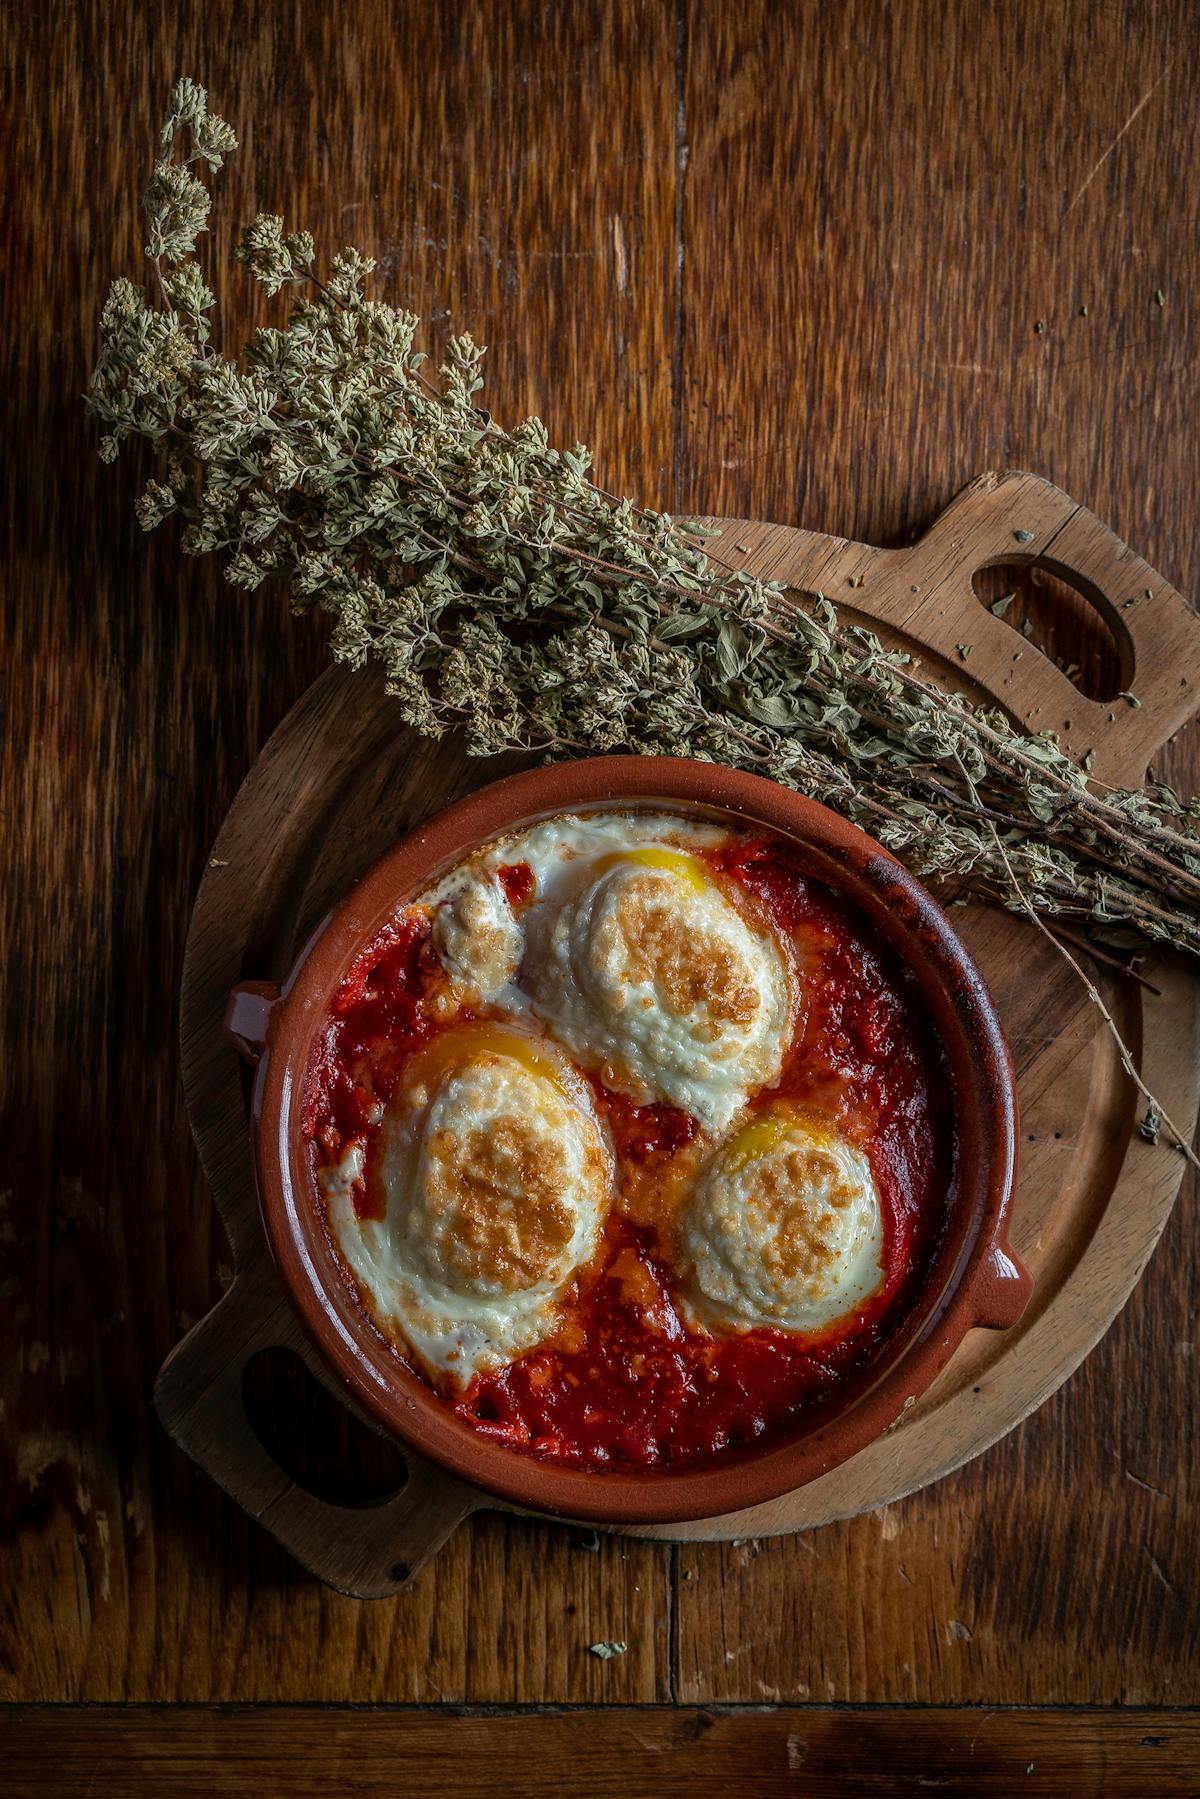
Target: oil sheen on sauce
{"x":627,"y":1382}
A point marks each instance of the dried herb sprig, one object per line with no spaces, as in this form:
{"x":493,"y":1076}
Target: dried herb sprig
{"x":500,"y":589}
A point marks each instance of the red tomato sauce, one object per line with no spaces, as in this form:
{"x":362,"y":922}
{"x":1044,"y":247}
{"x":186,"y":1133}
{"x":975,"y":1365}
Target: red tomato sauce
{"x":518,"y":883}
{"x":627,"y":1382}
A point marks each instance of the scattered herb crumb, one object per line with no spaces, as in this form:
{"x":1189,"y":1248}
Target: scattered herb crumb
{"x":743,"y":547}
{"x":1023,"y":536}
{"x":1151,"y":1124}
{"x":1083,"y":312}
{"x":216,"y":862}
{"x":964,"y":649}
{"x":1039,"y":326}
{"x":1126,"y":604}
{"x":1131,"y":697}
{"x":589,"y":1540}
{"x":1160,"y":299}
{"x":1027,"y":628}
{"x":1001,"y":606}
{"x":607,"y":1651}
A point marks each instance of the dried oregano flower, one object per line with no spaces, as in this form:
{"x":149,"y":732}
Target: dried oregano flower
{"x":500,"y":590}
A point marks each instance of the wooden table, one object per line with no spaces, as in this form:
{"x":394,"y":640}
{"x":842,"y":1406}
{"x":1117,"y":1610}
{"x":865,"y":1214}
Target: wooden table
{"x":813,"y":263}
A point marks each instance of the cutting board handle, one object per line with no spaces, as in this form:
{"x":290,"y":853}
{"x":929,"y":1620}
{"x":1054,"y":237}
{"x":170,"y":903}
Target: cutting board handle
{"x":926,"y":595}
{"x":369,"y":1551}
{"x":1021,"y":518}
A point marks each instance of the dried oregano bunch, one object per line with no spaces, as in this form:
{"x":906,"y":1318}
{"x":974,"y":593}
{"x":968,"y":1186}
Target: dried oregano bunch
{"x":499,"y":589}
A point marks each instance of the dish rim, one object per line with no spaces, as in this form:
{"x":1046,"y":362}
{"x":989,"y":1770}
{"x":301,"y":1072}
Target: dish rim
{"x":974,"y":1278}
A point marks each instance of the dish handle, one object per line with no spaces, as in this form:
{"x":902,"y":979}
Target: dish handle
{"x":1002,"y":1290}
{"x":368,"y":1551}
{"x":247,"y":1021}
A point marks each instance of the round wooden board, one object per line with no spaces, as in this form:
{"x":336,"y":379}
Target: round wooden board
{"x":339,"y":781}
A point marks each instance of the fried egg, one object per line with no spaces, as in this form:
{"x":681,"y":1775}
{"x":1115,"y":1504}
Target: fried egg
{"x":478,"y":939}
{"x":653,"y":975}
{"x":633,"y":953}
{"x":496,"y":1177}
{"x":784,"y":1228}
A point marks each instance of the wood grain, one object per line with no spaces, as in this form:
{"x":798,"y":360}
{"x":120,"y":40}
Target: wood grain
{"x":836,"y":203}
{"x":776,"y":261}
{"x":676,"y":1753}
{"x":529,"y":188}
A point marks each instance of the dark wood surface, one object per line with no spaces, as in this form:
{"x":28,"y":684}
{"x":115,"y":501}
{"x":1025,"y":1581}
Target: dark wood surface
{"x":778,"y":261}
{"x":817,"y":1752}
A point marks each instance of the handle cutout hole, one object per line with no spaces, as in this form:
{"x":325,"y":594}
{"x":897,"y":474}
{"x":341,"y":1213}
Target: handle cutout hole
{"x":1070,"y":624}
{"x":315,"y":1440}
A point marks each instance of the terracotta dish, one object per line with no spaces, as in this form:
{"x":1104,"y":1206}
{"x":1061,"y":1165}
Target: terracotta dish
{"x":969,"y":1278}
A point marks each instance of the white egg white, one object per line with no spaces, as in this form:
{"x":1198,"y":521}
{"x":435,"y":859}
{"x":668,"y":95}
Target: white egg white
{"x":497,"y":1176}
{"x":784,"y":1228}
{"x":478,"y":938}
{"x":632,"y":953}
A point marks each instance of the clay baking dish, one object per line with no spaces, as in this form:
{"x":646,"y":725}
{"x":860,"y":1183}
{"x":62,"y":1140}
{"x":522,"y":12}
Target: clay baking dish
{"x":974,"y":1281}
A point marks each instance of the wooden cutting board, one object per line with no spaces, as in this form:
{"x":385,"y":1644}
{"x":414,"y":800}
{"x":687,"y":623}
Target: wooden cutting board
{"x":341,"y":779}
